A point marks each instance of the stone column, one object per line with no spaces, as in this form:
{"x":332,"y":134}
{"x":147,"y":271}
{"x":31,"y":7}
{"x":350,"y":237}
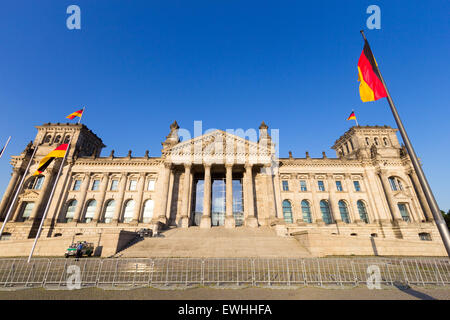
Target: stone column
{"x":103,"y":187}
{"x":387,"y":191}
{"x":206,"y":216}
{"x":229,"y":219}
{"x":17,"y":173}
{"x":42,"y":194}
{"x":119,"y":201}
{"x":183,"y":221}
{"x":250,"y":220}
{"x":421,"y":196}
{"x":82,"y":196}
{"x":140,"y":194}
{"x":160,"y":216}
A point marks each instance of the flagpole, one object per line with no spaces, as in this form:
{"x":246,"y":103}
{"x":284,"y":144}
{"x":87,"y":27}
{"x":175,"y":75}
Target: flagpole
{"x":79,"y":120}
{"x":439,"y":220}
{"x":16,"y":194}
{"x":356,"y":120}
{"x":48,"y":202}
{"x":4,"y":148}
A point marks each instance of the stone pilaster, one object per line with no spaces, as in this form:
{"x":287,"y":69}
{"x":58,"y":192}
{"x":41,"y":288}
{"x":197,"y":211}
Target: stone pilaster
{"x":421,"y":196}
{"x":250,"y":220}
{"x":140,"y":194}
{"x":183,"y":221}
{"x":387,"y":192}
{"x":99,"y":208}
{"x":119,"y":202}
{"x":160,"y":216}
{"x":42,"y":194}
{"x":333,"y":201}
{"x":9,"y":191}
{"x":206,"y":216}
{"x":82,"y":197}
{"x":229,"y":219}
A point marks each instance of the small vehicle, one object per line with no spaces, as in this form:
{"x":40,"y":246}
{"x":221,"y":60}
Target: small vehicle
{"x":87,"y":250}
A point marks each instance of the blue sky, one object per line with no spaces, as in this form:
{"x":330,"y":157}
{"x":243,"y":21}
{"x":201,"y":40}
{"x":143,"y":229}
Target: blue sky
{"x":139,"y":65}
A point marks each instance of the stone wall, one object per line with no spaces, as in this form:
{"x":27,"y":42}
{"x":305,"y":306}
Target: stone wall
{"x":321,"y":245}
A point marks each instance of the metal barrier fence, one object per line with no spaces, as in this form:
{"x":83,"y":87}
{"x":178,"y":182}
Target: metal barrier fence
{"x":104,"y":273}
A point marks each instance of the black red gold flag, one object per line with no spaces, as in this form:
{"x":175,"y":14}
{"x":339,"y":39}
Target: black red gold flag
{"x":59,"y":152}
{"x":370,"y":88}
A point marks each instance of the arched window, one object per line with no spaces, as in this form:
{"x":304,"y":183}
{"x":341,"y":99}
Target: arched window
{"x":376,"y":141}
{"x":57,"y":139}
{"x":362,"y":211}
{"x":66,"y":139}
{"x":90,"y":211}
{"x":35,"y":182}
{"x":39,"y":182}
{"x":306,"y":211}
{"x":325,"y":209}
{"x":395,"y":183}
{"x":70,"y":211}
{"x":128,"y":211}
{"x":27,"y":208}
{"x":47,"y":138}
{"x":287,"y":211}
{"x":385,"y":141}
{"x":148,"y":211}
{"x":344,"y":211}
{"x":109,"y":211}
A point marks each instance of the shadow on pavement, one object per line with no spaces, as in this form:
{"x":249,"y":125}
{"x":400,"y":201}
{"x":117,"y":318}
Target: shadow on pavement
{"x":412,"y":292}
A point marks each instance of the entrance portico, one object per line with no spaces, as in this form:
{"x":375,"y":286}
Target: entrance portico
{"x":214,"y":175}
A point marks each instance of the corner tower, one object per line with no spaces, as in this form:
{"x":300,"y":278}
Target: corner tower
{"x":366,"y":142}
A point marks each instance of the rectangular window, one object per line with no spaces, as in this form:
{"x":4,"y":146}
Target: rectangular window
{"x":303,"y":185}
{"x":27,"y":209}
{"x":321,"y":185}
{"x":114,"y":185}
{"x":285,"y":185}
{"x":339,"y":186}
{"x":151,"y":185}
{"x":404,"y":212}
{"x":77,"y":185}
{"x":95,"y":185}
{"x":357,"y":186}
{"x":133,"y":184}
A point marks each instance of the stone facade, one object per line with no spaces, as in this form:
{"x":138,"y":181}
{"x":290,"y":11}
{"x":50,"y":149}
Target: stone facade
{"x":369,"y":190}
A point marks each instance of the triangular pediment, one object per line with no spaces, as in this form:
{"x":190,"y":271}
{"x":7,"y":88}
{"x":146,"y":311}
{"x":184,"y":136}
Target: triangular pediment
{"x":219,"y":147}
{"x":30,"y":194}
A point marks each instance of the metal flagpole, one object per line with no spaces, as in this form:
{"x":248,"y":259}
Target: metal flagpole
{"x":440,"y":222}
{"x":356,"y":120}
{"x":79,"y":120}
{"x":4,"y":148}
{"x":17,"y":192}
{"x":48,"y":202}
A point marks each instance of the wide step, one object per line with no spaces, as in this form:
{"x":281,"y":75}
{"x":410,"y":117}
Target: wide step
{"x":216,"y":242}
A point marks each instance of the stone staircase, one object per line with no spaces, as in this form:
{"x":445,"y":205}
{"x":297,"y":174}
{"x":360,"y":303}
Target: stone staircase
{"x":216,"y":242}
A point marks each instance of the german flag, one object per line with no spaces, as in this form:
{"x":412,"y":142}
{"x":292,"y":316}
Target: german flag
{"x":75,"y":114}
{"x":59,"y":152}
{"x":352,"y":116}
{"x":370,"y":87}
